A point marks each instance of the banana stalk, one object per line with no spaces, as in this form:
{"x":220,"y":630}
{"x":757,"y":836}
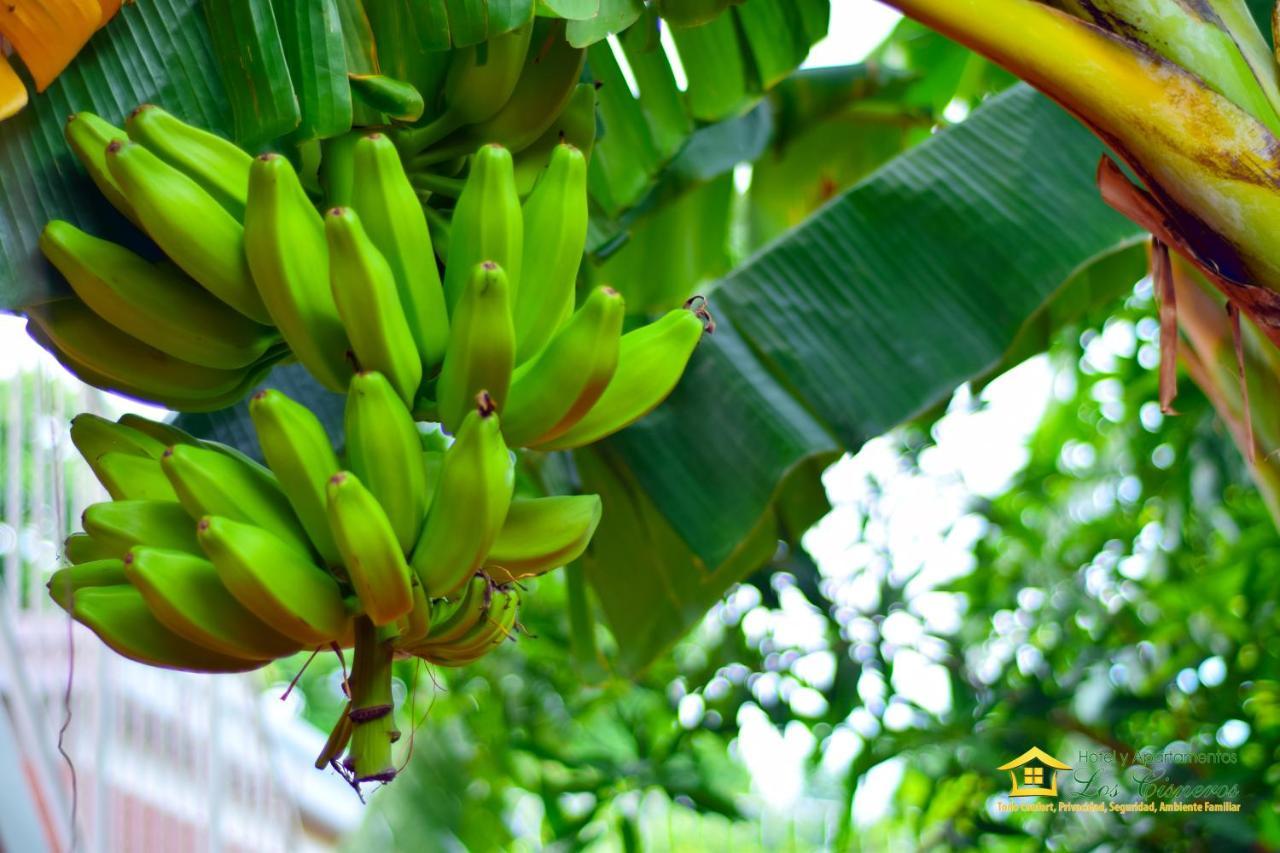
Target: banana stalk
{"x":1211,"y":166}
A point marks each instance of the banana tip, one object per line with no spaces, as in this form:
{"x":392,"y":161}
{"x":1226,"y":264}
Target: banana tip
{"x":202,"y":525}
{"x":114,"y":145}
{"x":141,"y":108}
{"x":267,"y":156}
{"x":338,"y":478}
{"x":168,"y":452}
{"x":485,"y":404}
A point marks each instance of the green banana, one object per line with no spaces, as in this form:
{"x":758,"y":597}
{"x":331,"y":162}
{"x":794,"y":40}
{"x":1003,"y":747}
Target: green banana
{"x":364,"y":288}
{"x":209,"y":482}
{"x":470,"y":504}
{"x":487,"y":224}
{"x":576,"y":126}
{"x":122,"y":620}
{"x":495,"y":625}
{"x":691,"y":13}
{"x":81,"y":548}
{"x":555,"y":232}
{"x":374,"y":560}
{"x":432,"y":462}
{"x":481,"y":351}
{"x":400,"y":100}
{"x":416,"y":624}
{"x":452,"y":619}
{"x":337,"y":167}
{"x":65,"y":583}
{"x":284,"y":242}
{"x":480,"y":81}
{"x":277,"y":584}
{"x":188,"y":225}
{"x":129,"y":477}
{"x":219,"y":166}
{"x":164,"y":434}
{"x":554,"y":391}
{"x":541,"y":534}
{"x":389,"y":209}
{"x":297,"y":449}
{"x":381,"y":436}
{"x":88,"y":136}
{"x":551,"y":70}
{"x":105,"y":357}
{"x":156,"y":305}
{"x":93,"y":436}
{"x":650,"y":362}
{"x":117,"y":526}
{"x":186,"y":595}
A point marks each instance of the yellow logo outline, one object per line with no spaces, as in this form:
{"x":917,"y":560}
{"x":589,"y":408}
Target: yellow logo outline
{"x":1033,"y":776}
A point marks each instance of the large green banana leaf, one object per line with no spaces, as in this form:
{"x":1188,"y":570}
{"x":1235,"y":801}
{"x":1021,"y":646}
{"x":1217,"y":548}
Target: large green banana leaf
{"x":924,"y":275}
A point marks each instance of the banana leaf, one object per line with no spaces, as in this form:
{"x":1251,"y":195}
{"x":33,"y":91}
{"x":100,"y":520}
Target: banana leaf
{"x":919,"y":278}
{"x":158,"y":51}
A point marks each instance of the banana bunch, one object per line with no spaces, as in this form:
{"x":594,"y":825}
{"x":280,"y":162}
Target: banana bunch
{"x":510,"y":90}
{"x":190,"y":331}
{"x":559,"y":377}
{"x":205,"y":560}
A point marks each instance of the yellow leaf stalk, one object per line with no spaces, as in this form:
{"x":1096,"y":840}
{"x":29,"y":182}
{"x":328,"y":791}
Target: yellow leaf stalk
{"x":1214,"y":168}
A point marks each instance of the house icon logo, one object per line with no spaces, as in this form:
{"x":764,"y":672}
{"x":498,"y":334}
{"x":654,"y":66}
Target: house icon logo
{"x":1034,"y":766}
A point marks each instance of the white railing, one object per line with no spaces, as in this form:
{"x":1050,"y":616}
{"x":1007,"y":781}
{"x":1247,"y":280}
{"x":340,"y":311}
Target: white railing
{"x":163,"y":760}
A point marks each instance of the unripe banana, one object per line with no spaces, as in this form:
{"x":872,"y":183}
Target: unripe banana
{"x":399,"y":100}
{"x":122,"y":620}
{"x":416,"y":625}
{"x":691,"y":13}
{"x":297,"y":448}
{"x":88,"y":135}
{"x":81,"y":548}
{"x":555,"y":231}
{"x":105,"y":357}
{"x":576,"y":126}
{"x":65,"y":583}
{"x":289,"y":257}
{"x":470,"y":504}
{"x":219,"y":166}
{"x":650,"y":362}
{"x":188,"y":225}
{"x":163,"y":433}
{"x":129,"y":477}
{"x":93,"y":436}
{"x":452,"y":619}
{"x":374,"y":560}
{"x":495,"y":625}
{"x":432,"y":463}
{"x":337,"y":168}
{"x":541,"y":534}
{"x":391,"y":214}
{"x":155,"y":304}
{"x":382,"y":442}
{"x":481,"y":350}
{"x":186,"y":595}
{"x":369,"y":303}
{"x":487,"y":224}
{"x":117,"y":526}
{"x":556,"y":389}
{"x":551,"y":69}
{"x":478,"y":84}
{"x":212,"y":483}
{"x":276,"y":583}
